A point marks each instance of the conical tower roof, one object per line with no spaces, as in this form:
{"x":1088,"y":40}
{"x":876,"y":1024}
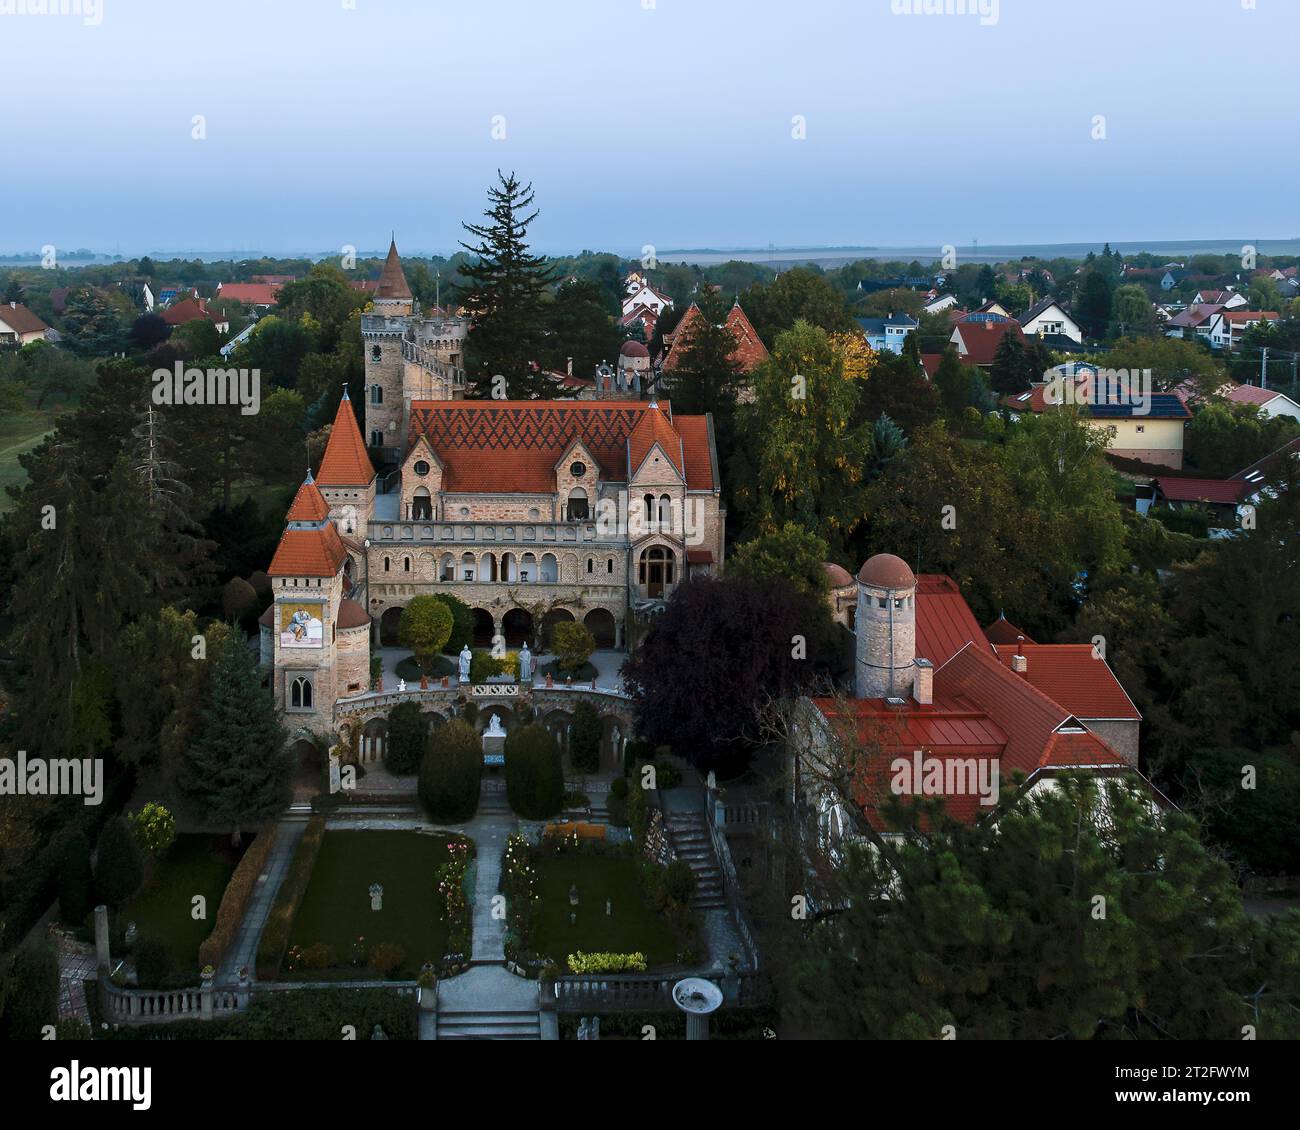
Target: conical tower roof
{"x":346,"y":462}
{"x":392,"y":279}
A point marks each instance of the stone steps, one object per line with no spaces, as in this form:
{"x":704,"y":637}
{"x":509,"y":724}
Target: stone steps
{"x":478,"y":1025}
{"x":691,"y":842}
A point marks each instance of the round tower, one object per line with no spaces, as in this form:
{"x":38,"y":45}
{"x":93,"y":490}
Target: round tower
{"x":886,"y":628}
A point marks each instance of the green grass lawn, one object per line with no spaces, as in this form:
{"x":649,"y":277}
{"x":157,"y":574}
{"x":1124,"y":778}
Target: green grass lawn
{"x":634,"y":927}
{"x":336,"y":908}
{"x":162,"y":910}
{"x":20,"y":432}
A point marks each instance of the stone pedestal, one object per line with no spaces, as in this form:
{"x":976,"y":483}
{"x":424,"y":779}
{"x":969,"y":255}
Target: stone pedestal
{"x":494,"y":747}
{"x":103,"y":958}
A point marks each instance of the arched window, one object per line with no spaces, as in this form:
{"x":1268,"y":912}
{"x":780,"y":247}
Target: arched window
{"x":656,"y":569}
{"x":406,"y":564}
{"x":591,"y":564}
{"x":388,"y":564}
{"x":468,"y":567}
{"x":550,"y":569}
{"x":300,"y":694}
{"x":528,"y":567}
{"x":421,"y":504}
{"x":376,"y":394}
{"x":489,"y":569}
{"x":376,"y":353}
{"x":609,"y":565}
{"x":578,"y":505}
{"x":649,"y":508}
{"x":665,"y":512}
{"x":448,"y":567}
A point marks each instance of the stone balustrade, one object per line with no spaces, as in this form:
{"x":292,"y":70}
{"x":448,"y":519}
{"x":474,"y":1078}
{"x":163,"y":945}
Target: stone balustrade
{"x":511,"y":536}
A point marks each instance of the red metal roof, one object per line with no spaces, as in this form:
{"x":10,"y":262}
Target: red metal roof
{"x":1201,"y":490}
{"x":944,"y":621}
{"x":345,"y":462}
{"x":1003,"y":630}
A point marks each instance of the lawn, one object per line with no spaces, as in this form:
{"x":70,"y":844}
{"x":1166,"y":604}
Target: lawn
{"x":162,"y":909}
{"x":634,"y":927}
{"x":20,"y":432}
{"x":336,"y":908}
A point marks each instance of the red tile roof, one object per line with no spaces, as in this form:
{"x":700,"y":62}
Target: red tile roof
{"x":944,"y":621}
{"x":256,"y":294}
{"x":308,"y":505}
{"x":1250,"y":394}
{"x":1070,"y":674}
{"x":1072,"y":749}
{"x":1202,"y":490}
{"x":345,"y":462}
{"x":21,"y":320}
{"x":507,"y":446}
{"x":654,"y":428}
{"x":1195,"y":315}
{"x":749,"y":353}
{"x":189,"y":310}
{"x":981,"y":339}
{"x":308,"y":553}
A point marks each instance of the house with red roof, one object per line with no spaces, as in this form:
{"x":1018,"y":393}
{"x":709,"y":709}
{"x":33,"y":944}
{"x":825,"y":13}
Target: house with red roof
{"x":1194,"y":321}
{"x":19,"y":326}
{"x":939,"y":710}
{"x":194,"y":310}
{"x":977,"y":336}
{"x":1228,"y":326}
{"x":260,"y":295}
{"x":750,"y":352}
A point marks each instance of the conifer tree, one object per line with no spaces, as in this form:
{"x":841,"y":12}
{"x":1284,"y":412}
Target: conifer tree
{"x":237,"y":770}
{"x":505,"y":294}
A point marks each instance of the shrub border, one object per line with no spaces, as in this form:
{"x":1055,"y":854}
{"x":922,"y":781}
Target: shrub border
{"x":237,"y":895}
{"x":274,"y":942}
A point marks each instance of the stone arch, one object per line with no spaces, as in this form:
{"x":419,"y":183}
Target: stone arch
{"x":388,"y":625}
{"x":600,"y":623}
{"x":487,"y":708}
{"x":517,"y":626}
{"x":374,"y":736}
{"x":553,"y":617}
{"x":557,"y":723}
{"x":548,"y":569}
{"x":421,"y":505}
{"x":484,"y":628}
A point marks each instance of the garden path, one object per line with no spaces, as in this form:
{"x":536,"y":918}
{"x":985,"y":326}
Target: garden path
{"x":243,"y":952}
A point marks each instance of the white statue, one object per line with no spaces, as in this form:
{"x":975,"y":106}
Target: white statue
{"x":494,"y":729}
{"x":525,"y":666}
{"x":465,"y":659}
{"x":401,"y":685}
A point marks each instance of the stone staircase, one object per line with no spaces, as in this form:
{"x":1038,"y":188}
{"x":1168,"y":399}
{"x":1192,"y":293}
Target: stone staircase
{"x":489,"y":1025}
{"x":690,"y":839}
{"x":492,"y":799}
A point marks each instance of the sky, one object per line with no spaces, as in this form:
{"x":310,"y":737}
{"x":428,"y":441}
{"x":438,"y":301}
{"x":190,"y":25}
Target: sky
{"x":664,"y":123}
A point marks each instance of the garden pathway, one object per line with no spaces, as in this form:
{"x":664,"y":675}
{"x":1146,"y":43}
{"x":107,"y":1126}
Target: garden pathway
{"x":76,"y":963}
{"x":243,"y":952}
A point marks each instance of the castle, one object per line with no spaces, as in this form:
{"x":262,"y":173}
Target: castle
{"x":531,"y":512}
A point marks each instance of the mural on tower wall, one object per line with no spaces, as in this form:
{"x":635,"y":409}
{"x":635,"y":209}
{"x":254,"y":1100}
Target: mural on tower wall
{"x":302,"y":624}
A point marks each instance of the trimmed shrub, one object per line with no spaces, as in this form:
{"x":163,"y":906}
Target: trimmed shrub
{"x":31,"y":992}
{"x":572,"y":643}
{"x":424,"y":627}
{"x":679,"y":881}
{"x":407,"y":733}
{"x":385,"y":957}
{"x":76,"y":880}
{"x":238,"y":893}
{"x":534,"y":775}
{"x":119,"y":869}
{"x":462,"y":622}
{"x":279,"y":922}
{"x":584,"y":739}
{"x":451,"y":772}
{"x":154,"y":829}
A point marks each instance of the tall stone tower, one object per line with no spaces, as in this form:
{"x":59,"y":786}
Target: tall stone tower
{"x":383,"y":332}
{"x":886,"y":628}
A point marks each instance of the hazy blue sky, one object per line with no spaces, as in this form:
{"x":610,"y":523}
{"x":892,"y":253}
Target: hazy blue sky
{"x":667,"y":125}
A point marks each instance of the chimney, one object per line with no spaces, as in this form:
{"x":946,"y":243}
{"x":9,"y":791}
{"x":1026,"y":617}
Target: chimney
{"x":923,"y":681}
{"x":1019,"y":661}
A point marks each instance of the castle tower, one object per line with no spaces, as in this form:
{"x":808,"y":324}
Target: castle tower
{"x":347,"y":478}
{"x":320,"y":648}
{"x":886,"y":628}
{"x":383,"y":333}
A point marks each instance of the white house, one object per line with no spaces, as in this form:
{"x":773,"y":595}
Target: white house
{"x":1048,"y":318}
{"x":1228,"y":326}
{"x":646,"y":295}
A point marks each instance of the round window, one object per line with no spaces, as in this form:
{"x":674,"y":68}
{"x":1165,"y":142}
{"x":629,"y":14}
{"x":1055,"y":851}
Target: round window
{"x":421,"y":467}
{"x":578,"y":470}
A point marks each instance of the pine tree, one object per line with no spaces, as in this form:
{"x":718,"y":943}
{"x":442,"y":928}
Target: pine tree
{"x":119,"y":864}
{"x":952,"y":380}
{"x":505,"y":294}
{"x":237,"y":771}
{"x":1010,"y":372}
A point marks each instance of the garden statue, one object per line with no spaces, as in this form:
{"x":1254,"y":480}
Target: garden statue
{"x":494,"y":729}
{"x":609,"y":908}
{"x":584,"y":1033}
{"x":376,"y":896}
{"x":525,"y":666}
{"x":573,"y":895}
{"x":550,"y":681}
{"x":593,"y":1032}
{"x":378,"y":1033}
{"x":424,"y":682}
{"x":401,"y":686}
{"x":466,"y":658}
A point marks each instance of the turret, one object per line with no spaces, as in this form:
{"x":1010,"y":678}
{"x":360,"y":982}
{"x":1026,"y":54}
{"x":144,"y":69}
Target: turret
{"x":886,"y":628}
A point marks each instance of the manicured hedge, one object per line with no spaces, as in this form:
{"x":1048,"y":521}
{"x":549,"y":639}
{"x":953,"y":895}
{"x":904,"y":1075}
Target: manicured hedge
{"x":31,"y":991}
{"x":451,"y":772}
{"x":119,"y":865}
{"x":238,"y":894}
{"x":279,"y":922}
{"x":534,"y":775}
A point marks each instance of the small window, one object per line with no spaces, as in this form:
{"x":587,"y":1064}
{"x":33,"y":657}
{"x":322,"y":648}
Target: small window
{"x":388,"y":564}
{"x":376,"y":353}
{"x":1141,"y":428}
{"x":591,"y":564}
{"x":421,"y":467}
{"x":406,"y":564}
{"x":609,"y":565}
{"x":577,"y":470}
{"x":376,"y":394}
{"x":881,"y":602}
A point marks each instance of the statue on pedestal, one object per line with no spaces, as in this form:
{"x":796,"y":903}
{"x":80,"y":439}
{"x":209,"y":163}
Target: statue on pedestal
{"x":494,"y":729}
{"x":466,"y":657}
{"x":525,"y":666}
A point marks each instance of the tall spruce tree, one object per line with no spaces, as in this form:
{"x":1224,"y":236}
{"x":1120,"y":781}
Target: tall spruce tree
{"x":505,"y":294}
{"x":237,"y":771}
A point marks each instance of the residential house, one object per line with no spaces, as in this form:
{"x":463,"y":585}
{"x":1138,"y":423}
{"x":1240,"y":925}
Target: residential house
{"x":887,"y":333}
{"x":939,"y":302}
{"x":1228,"y":326}
{"x":977,"y":337}
{"x":261,"y":296}
{"x":649,"y":296}
{"x":1228,"y":299}
{"x":750,"y":352}
{"x":194,"y":310}
{"x":19,"y":326}
{"x":1192,"y":322}
{"x":1049,"y":319}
